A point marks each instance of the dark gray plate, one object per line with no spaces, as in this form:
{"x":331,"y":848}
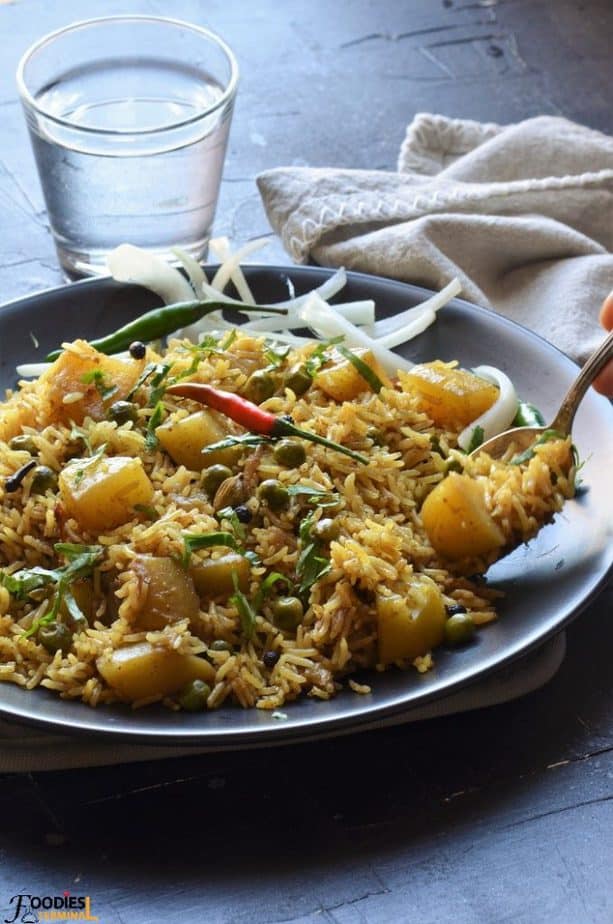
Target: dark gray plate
{"x":547,"y":582}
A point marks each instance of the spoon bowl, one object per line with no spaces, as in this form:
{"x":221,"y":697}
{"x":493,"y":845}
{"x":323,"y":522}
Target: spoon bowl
{"x":523,"y":437}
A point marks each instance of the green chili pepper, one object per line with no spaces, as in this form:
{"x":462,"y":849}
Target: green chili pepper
{"x":162,"y":321}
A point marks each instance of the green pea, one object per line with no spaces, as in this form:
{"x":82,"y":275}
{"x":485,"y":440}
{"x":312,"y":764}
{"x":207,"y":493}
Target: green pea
{"x":287,"y":613}
{"x":289,"y":453}
{"x":459,"y":630}
{"x":55,"y":637}
{"x":121,"y":412}
{"x":43,"y":479}
{"x":274,"y":494}
{"x":220,"y":645}
{"x":24,"y":443}
{"x":260,"y":386}
{"x":212,"y":477}
{"x":298,"y":379}
{"x":194,"y":695}
{"x":326,"y":529}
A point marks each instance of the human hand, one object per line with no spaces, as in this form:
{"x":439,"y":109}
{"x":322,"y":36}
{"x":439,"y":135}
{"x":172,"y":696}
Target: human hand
{"x":604,"y":382}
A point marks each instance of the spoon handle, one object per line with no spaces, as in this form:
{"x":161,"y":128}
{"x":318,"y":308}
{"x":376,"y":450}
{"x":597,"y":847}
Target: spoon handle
{"x":563,"y":420}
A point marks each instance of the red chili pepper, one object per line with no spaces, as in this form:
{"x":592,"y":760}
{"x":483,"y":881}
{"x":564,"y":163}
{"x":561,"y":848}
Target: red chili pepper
{"x":252,"y":417}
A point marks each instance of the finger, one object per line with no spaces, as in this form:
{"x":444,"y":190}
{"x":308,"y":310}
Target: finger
{"x":604,"y":382}
{"x":606,"y":312}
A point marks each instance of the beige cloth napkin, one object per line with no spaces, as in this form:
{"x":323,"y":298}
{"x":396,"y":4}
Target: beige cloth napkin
{"x":30,"y":750}
{"x":523,"y":214}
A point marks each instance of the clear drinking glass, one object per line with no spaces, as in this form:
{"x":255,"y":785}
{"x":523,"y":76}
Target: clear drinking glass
{"x":129,"y":119}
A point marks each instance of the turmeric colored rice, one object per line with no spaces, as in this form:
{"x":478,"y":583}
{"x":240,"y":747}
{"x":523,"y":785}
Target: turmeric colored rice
{"x":373,"y":562}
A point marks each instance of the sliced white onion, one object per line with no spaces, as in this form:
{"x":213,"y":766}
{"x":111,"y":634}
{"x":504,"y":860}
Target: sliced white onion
{"x":388,"y":326}
{"x":326,"y":290}
{"x":499,"y":416}
{"x":409,"y":331}
{"x":220,"y":246}
{"x":327,"y":322}
{"x":32,"y":370}
{"x":214,"y":321}
{"x":230,"y":268}
{"x":195,"y":273}
{"x":132,"y":264}
{"x":128,"y":263}
{"x":290,"y":287}
{"x":356,"y":312}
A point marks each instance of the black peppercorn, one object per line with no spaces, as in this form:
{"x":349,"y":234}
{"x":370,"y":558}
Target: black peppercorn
{"x":243,"y":513}
{"x":138,"y":350}
{"x":453,"y":609}
{"x":270,"y":658}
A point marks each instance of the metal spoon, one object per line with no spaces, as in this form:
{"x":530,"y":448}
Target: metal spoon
{"x":523,"y":437}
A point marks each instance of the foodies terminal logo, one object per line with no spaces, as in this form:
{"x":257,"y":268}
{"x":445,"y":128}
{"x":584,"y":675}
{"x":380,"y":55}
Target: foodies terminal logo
{"x":30,"y":909}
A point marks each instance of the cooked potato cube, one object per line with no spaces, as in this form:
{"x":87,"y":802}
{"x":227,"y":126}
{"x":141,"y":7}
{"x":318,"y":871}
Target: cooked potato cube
{"x":101,"y":492}
{"x":213,"y":577}
{"x":64,"y":381}
{"x":142,"y":670}
{"x":457,"y":521}
{"x":184,"y":440}
{"x":170,"y":592}
{"x":342,"y":381}
{"x":450,"y":397}
{"x":16,"y":414}
{"x":411,"y":625}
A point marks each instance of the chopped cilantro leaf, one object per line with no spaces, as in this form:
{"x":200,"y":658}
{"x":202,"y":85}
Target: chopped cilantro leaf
{"x":81,"y":561}
{"x":545,"y":437}
{"x":96,"y":377}
{"x":246,"y":611}
{"x":475,"y":440}
{"x":151,"y":440}
{"x":363,"y":369}
{"x":312,"y":564}
{"x":319,"y":356}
